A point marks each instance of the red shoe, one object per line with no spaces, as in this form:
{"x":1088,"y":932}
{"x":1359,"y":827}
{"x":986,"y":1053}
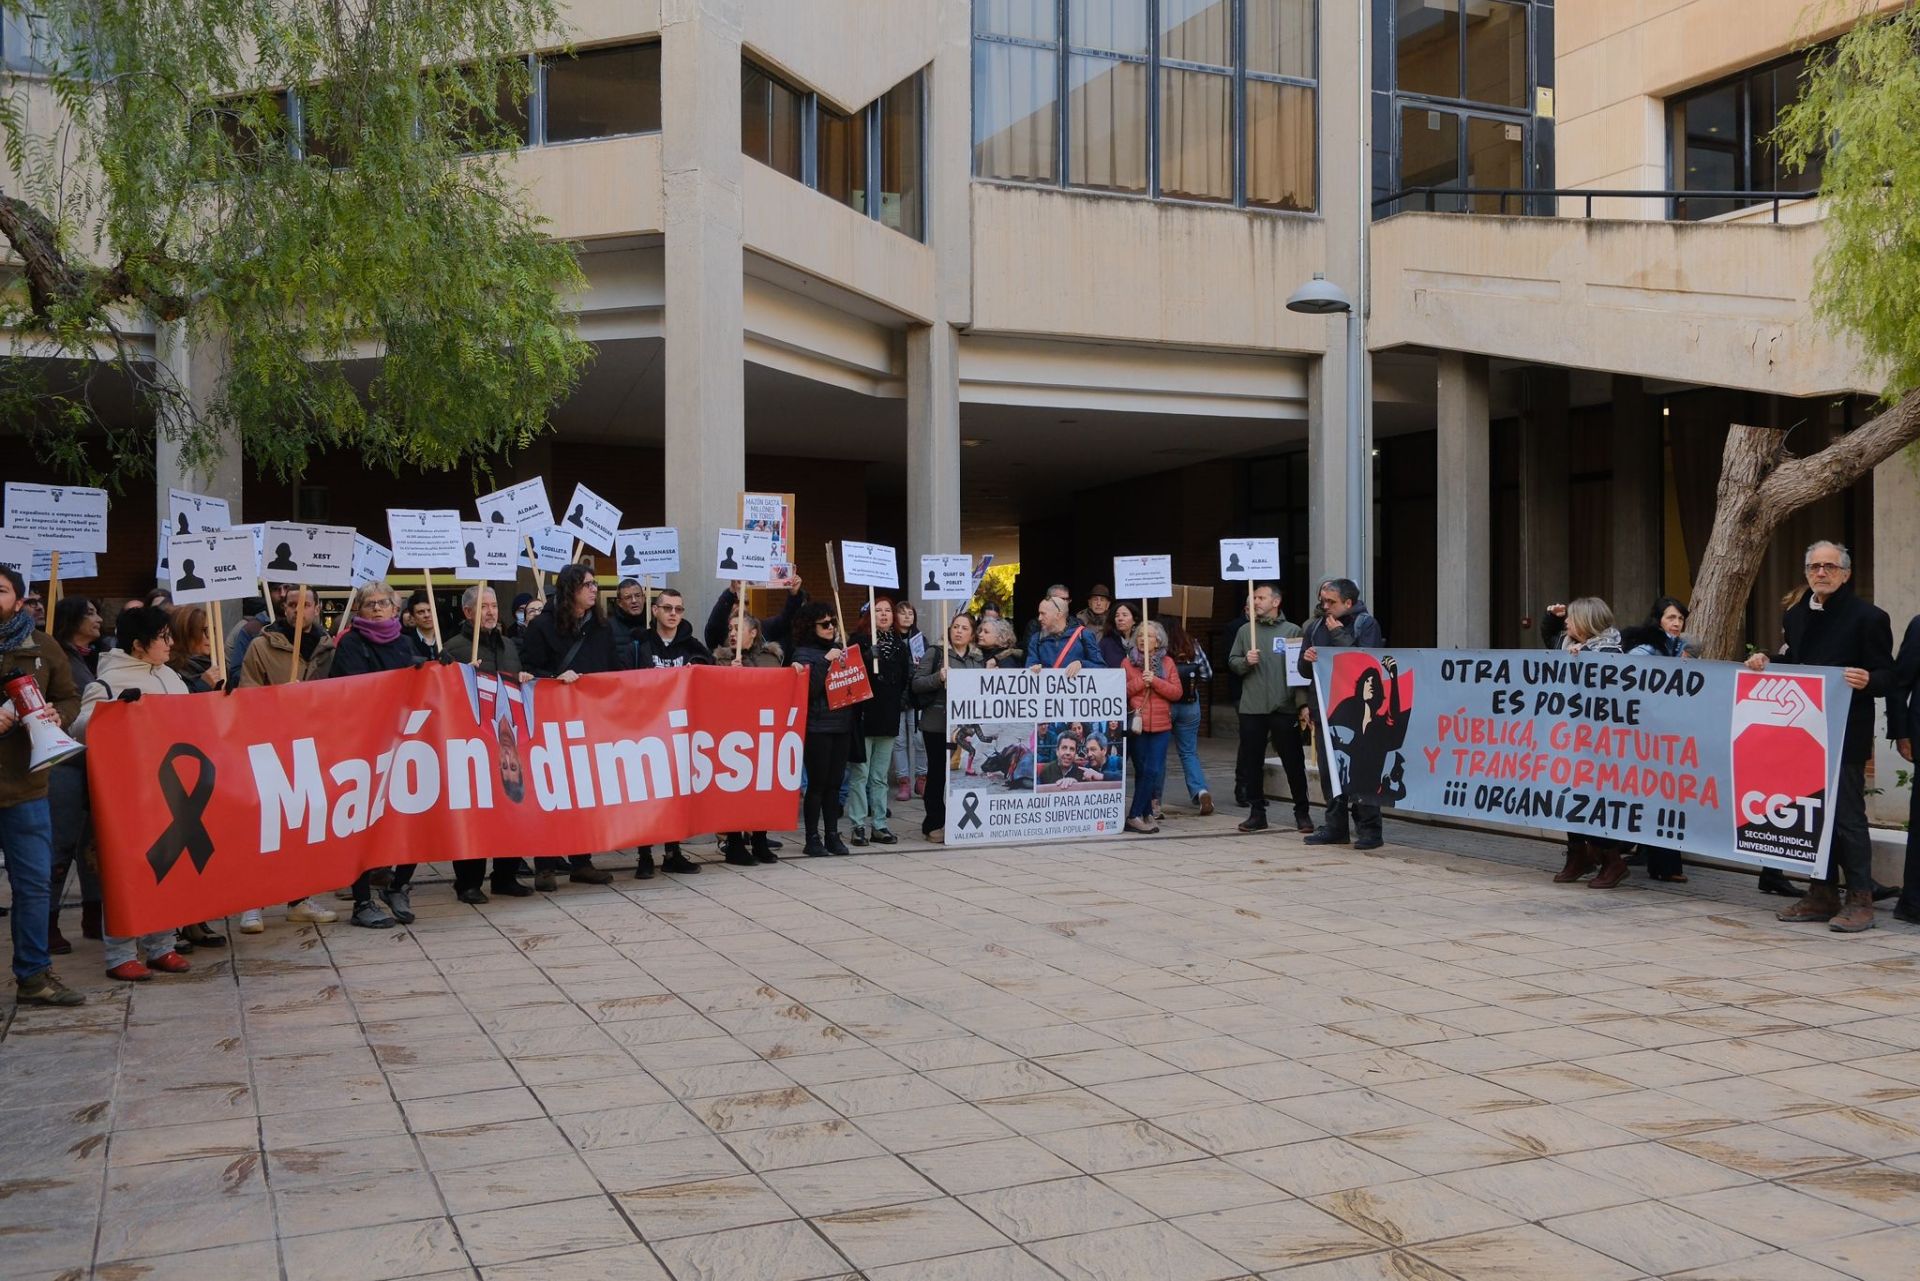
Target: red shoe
{"x":919,"y":784}
{"x":130,"y":972}
{"x":169,"y":962}
{"x":904,"y":792}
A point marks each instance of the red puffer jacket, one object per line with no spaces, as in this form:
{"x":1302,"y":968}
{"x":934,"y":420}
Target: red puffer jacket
{"x":1153,"y":696}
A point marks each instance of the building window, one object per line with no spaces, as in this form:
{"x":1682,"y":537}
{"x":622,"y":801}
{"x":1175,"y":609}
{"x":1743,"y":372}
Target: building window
{"x":839,"y":155}
{"x":1204,"y":100}
{"x":1462,"y":90}
{"x":602,"y":93}
{"x":1719,"y":139}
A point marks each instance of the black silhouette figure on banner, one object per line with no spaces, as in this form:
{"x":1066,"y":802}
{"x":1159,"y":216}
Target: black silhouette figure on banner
{"x":578,"y":517}
{"x":282,"y":558}
{"x":498,"y":518}
{"x":727,"y":561}
{"x":1233,"y":563}
{"x":1368,"y":728}
{"x":473,"y":561}
{"x":184,"y":528}
{"x":933,"y":582}
{"x":632,"y":556}
{"x":188,"y":580}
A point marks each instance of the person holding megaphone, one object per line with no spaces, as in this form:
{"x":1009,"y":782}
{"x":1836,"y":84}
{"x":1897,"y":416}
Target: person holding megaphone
{"x":40,"y":702}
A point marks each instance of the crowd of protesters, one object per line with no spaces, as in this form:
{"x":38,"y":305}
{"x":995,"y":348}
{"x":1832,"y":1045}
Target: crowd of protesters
{"x":862,"y":759}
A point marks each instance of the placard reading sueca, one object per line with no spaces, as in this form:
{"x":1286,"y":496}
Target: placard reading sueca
{"x":220,"y":564}
{"x":59,"y":518}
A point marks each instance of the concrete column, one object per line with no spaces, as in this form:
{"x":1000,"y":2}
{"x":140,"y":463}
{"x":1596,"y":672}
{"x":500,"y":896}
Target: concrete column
{"x":701,"y":173}
{"x":198,"y":369}
{"x":933,"y":444}
{"x":1896,"y":589}
{"x":1638,"y":499}
{"x":1327,"y":466}
{"x":1465,"y":492}
{"x":1546,"y":565}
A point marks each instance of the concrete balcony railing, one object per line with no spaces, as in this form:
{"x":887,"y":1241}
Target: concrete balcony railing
{"x":1715,"y":304}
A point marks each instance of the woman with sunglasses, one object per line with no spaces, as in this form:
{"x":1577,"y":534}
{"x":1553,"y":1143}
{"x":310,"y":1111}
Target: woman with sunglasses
{"x":829,"y":730}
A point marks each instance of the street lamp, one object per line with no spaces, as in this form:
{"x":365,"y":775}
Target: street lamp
{"x":1321,"y":297}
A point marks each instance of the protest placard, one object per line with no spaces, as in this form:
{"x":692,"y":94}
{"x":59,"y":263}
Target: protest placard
{"x":190,"y":513}
{"x":946,"y":578}
{"x":370,"y":560}
{"x":73,"y":565}
{"x":1040,"y":756}
{"x":424,"y":539}
{"x":869,"y":564}
{"x":59,"y":518}
{"x":591,"y":519}
{"x":647,"y":554}
{"x":772,"y":514}
{"x":16,"y":553}
{"x":219,"y":564}
{"x":488,"y":553}
{"x":316,"y":555}
{"x":1249,"y":558}
{"x":523,"y":506}
{"x":553,"y":549}
{"x":1142,"y":577}
{"x":743,"y":556}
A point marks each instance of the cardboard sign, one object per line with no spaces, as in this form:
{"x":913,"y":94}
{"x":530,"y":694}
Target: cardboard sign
{"x":591,"y":519}
{"x":16,"y":553}
{"x":488,"y":553}
{"x":946,"y":578}
{"x":220,"y":564}
{"x":523,"y":506}
{"x":743,"y":556}
{"x":370,"y":559}
{"x":316,"y":555}
{"x":1292,"y":653}
{"x":1244,"y":558}
{"x":1142,"y":577}
{"x":424,"y":539}
{"x":647,"y":553}
{"x":552,"y":546}
{"x":772,"y":514}
{"x":59,"y":518}
{"x":190,"y":513}
{"x":869,"y":564}
{"x":847,"y":681}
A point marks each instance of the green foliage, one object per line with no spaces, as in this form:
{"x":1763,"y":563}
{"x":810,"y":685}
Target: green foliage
{"x":996,"y":589}
{"x":1861,"y":105}
{"x":377,"y":284}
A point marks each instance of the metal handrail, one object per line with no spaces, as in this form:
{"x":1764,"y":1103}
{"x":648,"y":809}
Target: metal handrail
{"x":1590,"y":194}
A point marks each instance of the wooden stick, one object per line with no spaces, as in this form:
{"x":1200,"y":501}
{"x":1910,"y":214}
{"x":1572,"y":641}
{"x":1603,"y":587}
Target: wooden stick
{"x":1146,"y":637}
{"x":839,"y":614}
{"x":539,"y":577}
{"x":739,"y":606}
{"x":219,"y":646}
{"x":426,"y":576}
{"x":946,"y":639}
{"x":266,"y":594}
{"x":53,"y":587}
{"x":346,"y":615}
{"x":1185,"y":597}
{"x":873,"y":628}
{"x":299,"y":624}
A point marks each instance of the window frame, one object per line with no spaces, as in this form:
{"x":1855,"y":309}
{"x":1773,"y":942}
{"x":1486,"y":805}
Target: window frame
{"x":1065,"y":51}
{"x":1465,"y":110}
{"x":539,"y":104}
{"x":1747,"y":147}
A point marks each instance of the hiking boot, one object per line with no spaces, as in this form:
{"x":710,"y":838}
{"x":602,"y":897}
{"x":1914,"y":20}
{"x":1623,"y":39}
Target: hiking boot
{"x":371,"y":916}
{"x":859,"y":835}
{"x":1580,"y":861}
{"x":834,"y":844}
{"x":1371,"y":841}
{"x":938,"y":836}
{"x":884,"y":836}
{"x":1255,"y":821}
{"x":1613,"y":870}
{"x":644,"y":869}
{"x":1327,"y":836}
{"x":399,"y":904}
{"x":546,"y":882}
{"x":588,"y":874}
{"x":203,"y":935}
{"x":1855,"y":915}
{"x":169,"y":962}
{"x":678,"y":862}
{"x":1822,"y":903}
{"x":45,"y":988}
{"x":763,"y":849}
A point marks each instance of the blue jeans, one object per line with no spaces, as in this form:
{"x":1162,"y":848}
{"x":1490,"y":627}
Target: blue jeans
{"x":26,"y":834}
{"x":1149,"y":770}
{"x":144,"y":947}
{"x":1186,"y":741}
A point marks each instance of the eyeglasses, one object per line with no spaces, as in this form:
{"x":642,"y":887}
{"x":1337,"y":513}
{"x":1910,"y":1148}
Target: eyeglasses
{"x":1824,"y":567}
{"x":825,"y":624}
{"x":671,"y":609}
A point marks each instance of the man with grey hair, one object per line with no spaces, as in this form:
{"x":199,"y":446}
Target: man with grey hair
{"x":1830,"y":626}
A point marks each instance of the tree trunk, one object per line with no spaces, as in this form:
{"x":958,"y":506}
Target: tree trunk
{"x":1760,"y":486}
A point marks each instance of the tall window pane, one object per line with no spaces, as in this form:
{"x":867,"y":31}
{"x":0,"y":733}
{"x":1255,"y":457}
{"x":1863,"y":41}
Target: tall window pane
{"x":1427,"y":47}
{"x":1118,"y":26}
{"x":1280,"y":146}
{"x":842,"y":156}
{"x":506,"y":85}
{"x":1496,"y":39}
{"x":770,"y":121}
{"x":1280,"y":37}
{"x":1107,"y":124}
{"x":1712,"y":150}
{"x":902,"y":170}
{"x":604,"y":92}
{"x":1022,"y":19}
{"x":1496,"y":157}
{"x":1196,"y":135}
{"x":1430,"y":155}
{"x":1014,"y":100}
{"x":1197,"y":31}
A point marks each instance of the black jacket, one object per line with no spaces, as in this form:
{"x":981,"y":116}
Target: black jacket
{"x":1903,"y":700}
{"x":1358,"y":630}
{"x":543,"y":650}
{"x":422,"y":642}
{"x":1847,"y":632}
{"x":776,"y":630}
{"x":880,"y":715}
{"x":821,"y":719}
{"x":355,"y":655}
{"x":684,"y":650}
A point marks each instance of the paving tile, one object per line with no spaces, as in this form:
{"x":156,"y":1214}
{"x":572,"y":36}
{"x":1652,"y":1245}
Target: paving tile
{"x":999,"y":1163}
{"x":1437,"y":1146}
{"x":1145,"y":1252}
{"x":1885,"y":1191}
{"x":384,"y":1253}
{"x":1526,"y":1253}
{"x":475,"y":1188}
{"x":1099,"y":1149}
{"x":910,"y":1231}
{"x":1536,"y":1190}
{"x":1064,"y":1207}
{"x":686,"y":1209}
{"x":850,"y":1185}
{"x":1763,"y":1151}
{"x":1004,"y":1264}
{"x":1412,"y":1211}
{"x":812,"y":1143}
{"x":1656,"y":1237}
{"x":770,"y":1252}
{"x":534,"y":1231}
{"x":1192,"y":1187}
{"x":1779,"y":1216}
{"x":1290,"y":1233}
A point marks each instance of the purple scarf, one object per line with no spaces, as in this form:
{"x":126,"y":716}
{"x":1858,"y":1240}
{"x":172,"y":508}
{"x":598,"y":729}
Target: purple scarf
{"x":382,"y":631}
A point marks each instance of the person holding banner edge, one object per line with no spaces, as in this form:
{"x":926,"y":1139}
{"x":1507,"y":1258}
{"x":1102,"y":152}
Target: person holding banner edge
{"x":1271,"y":710}
{"x":498,"y":656}
{"x":1343,"y":623}
{"x":830,"y":730}
{"x":746,"y":849}
{"x":668,"y":643}
{"x":930,"y":686}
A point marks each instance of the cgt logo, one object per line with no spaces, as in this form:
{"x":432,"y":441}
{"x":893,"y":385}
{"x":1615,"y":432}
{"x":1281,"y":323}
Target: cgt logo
{"x":1787,"y":813}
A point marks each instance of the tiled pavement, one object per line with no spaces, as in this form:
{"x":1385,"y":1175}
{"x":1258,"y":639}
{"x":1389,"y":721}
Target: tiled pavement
{"x":1174,"y":1060}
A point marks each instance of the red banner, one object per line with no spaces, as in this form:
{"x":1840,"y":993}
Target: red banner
{"x":205,"y":805}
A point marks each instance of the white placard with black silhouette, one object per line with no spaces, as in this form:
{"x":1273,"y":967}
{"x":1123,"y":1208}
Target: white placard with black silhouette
{"x":743,"y":557}
{"x":1246,"y":558}
{"x":553,"y":549}
{"x":523,"y":506}
{"x":370,"y":560}
{"x":488,"y":553}
{"x":946,"y":578}
{"x":190,"y":513}
{"x":647,"y":553}
{"x":591,"y":519}
{"x":59,"y":518}
{"x":220,"y":564}
{"x":317,"y":555}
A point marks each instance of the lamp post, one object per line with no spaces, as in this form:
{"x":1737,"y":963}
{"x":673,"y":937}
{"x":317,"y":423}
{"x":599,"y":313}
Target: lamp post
{"x":1321,"y":297}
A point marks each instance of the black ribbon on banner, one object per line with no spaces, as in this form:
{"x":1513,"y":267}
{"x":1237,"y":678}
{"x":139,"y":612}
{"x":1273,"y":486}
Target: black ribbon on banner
{"x":970,"y":811}
{"x":187,"y":833}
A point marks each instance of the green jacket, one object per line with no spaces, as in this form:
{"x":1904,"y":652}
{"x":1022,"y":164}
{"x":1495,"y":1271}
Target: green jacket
{"x":498,"y":653}
{"x":1264,"y":688}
